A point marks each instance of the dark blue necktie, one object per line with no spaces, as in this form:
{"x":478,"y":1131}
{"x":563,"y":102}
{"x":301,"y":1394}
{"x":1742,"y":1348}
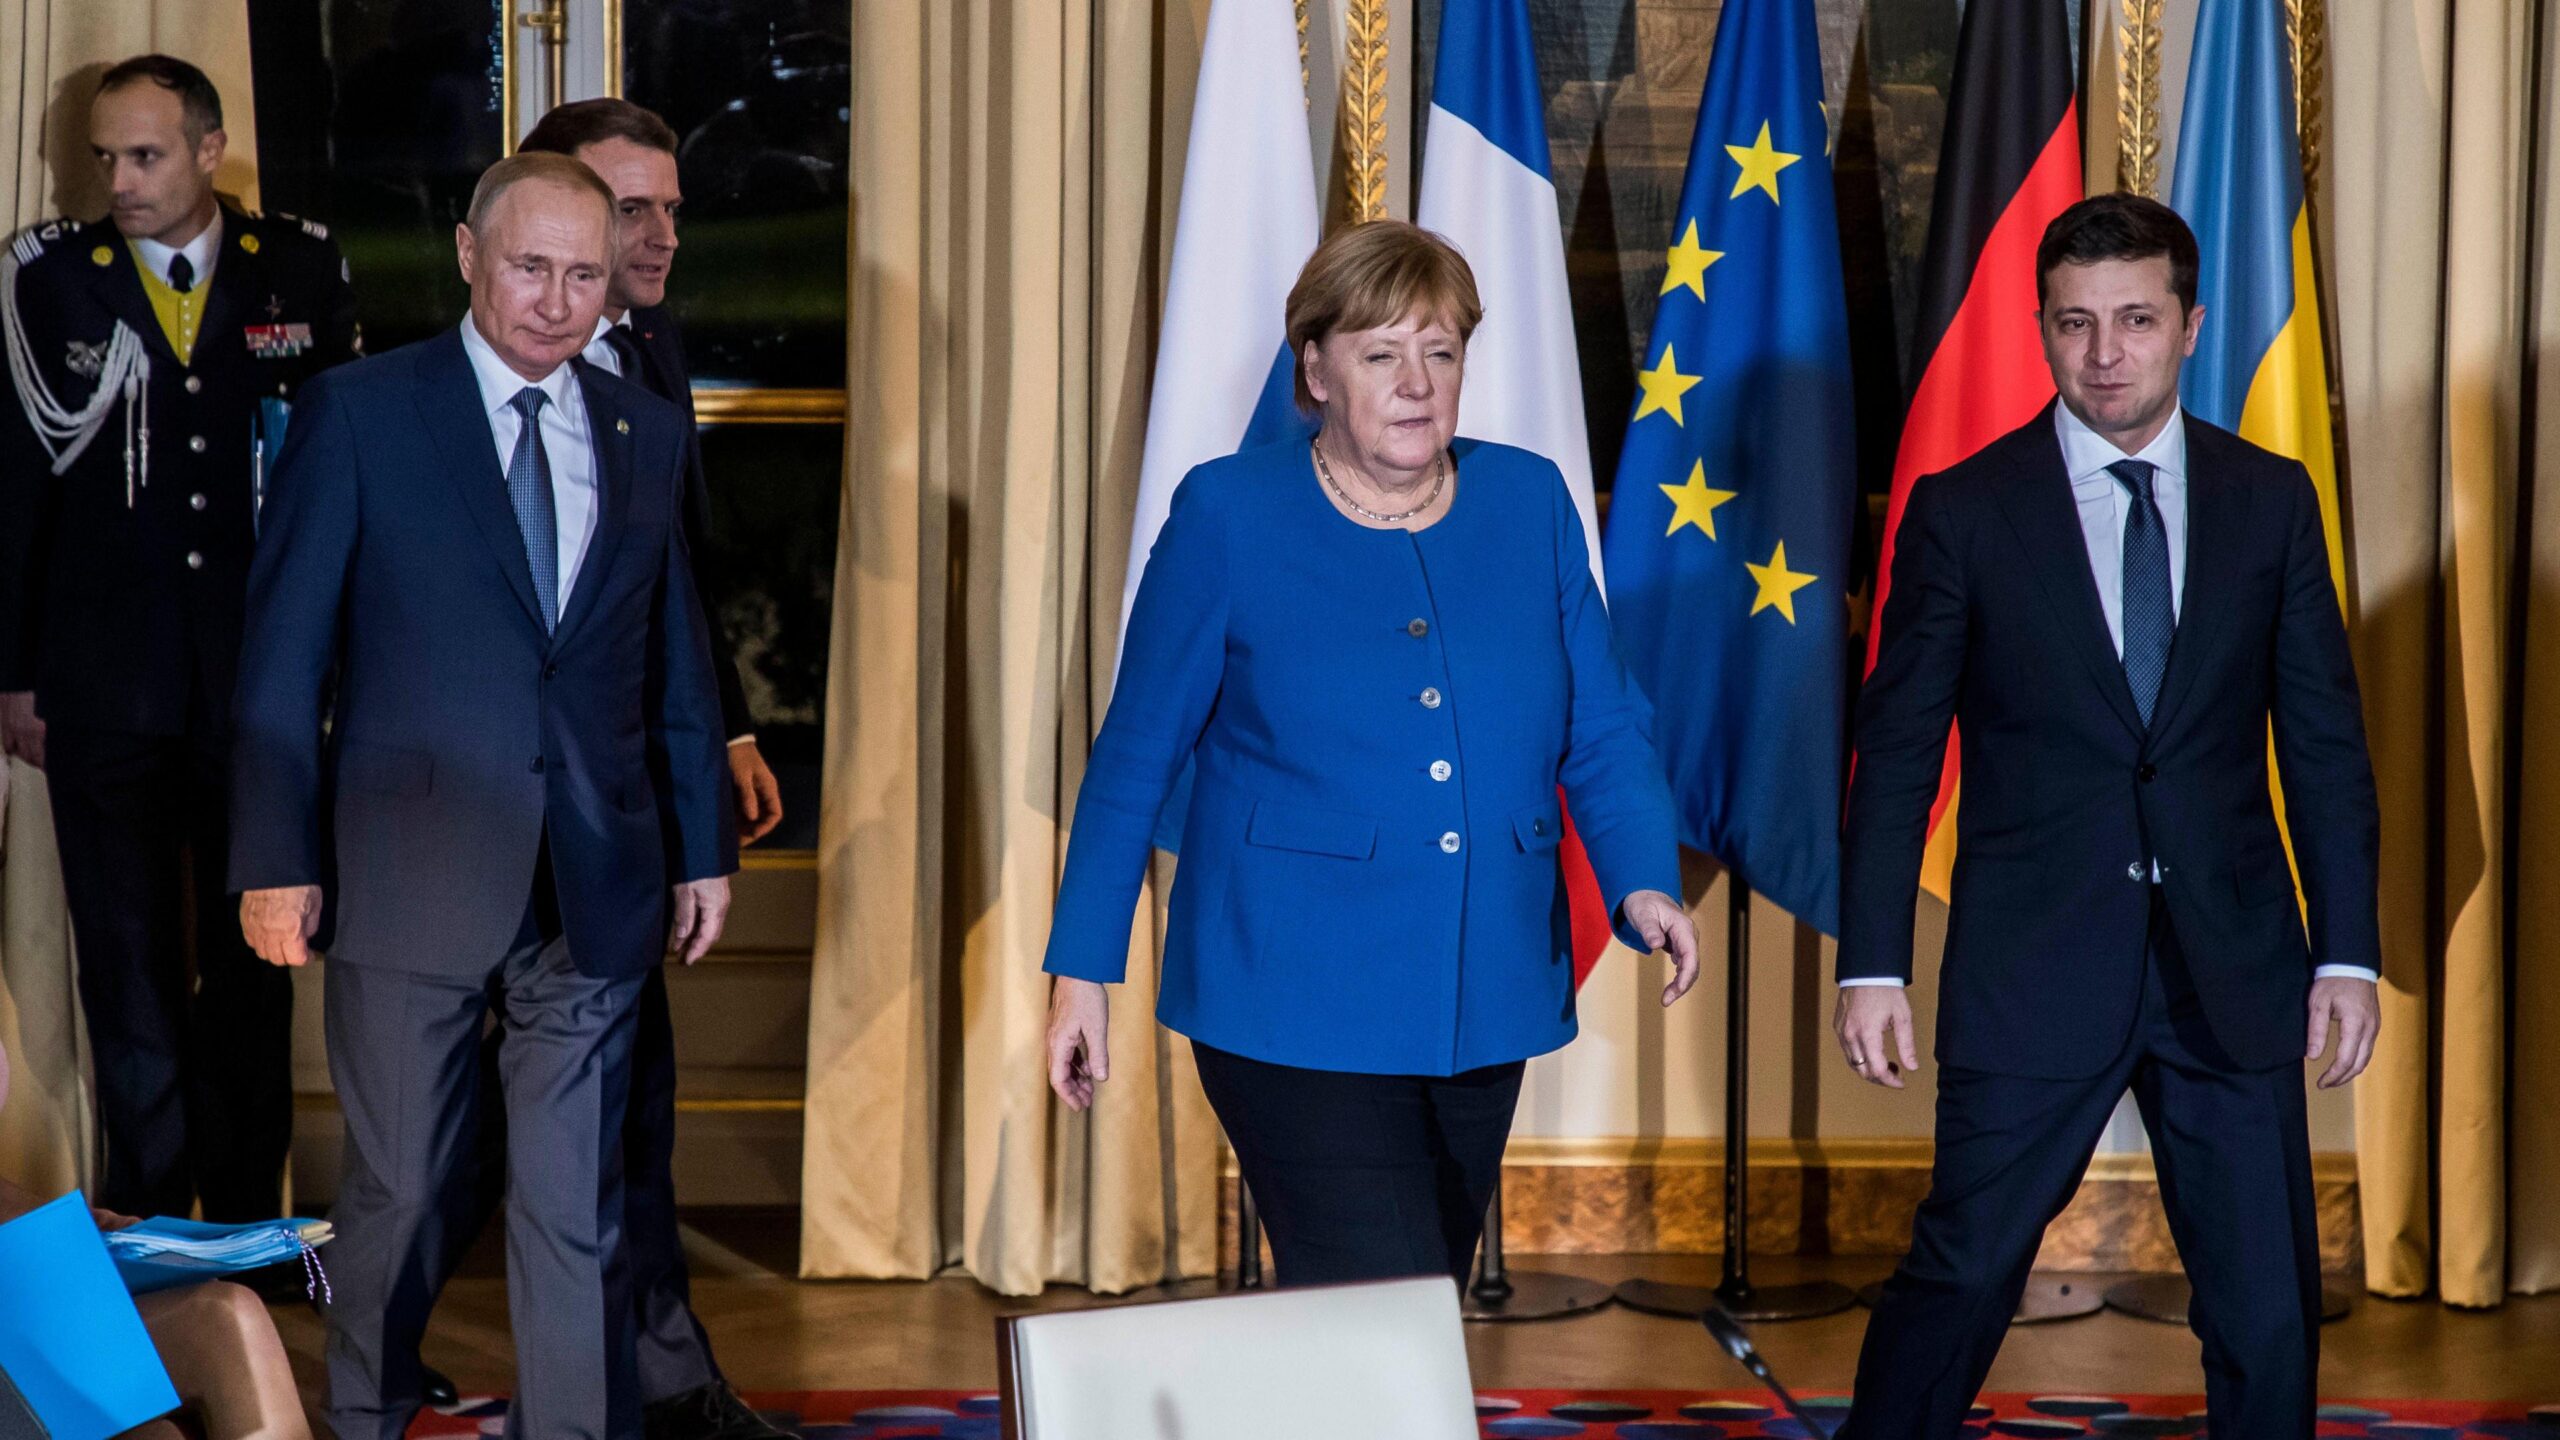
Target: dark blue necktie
{"x":2150,"y":620}
{"x":537,"y":510}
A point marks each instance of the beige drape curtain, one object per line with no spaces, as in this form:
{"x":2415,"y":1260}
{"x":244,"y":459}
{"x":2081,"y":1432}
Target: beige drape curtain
{"x":2441,"y":181}
{"x":51,"y":53}
{"x":1016,"y":164}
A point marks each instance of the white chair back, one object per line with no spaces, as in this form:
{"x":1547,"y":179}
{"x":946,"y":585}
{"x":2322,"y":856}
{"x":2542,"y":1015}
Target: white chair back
{"x":1382,"y":1361}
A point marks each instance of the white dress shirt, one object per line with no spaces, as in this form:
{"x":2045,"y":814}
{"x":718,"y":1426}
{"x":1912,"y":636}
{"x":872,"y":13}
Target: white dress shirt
{"x":565,"y":443}
{"x":2104,"y":501}
{"x":201,"y":253}
{"x":602,"y":355}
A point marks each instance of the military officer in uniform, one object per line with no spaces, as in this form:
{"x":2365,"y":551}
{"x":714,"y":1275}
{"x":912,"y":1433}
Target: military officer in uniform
{"x":153,"y":360}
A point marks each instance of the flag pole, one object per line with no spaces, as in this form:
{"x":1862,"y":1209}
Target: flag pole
{"x":1502,"y":1293}
{"x":1735,"y":1292}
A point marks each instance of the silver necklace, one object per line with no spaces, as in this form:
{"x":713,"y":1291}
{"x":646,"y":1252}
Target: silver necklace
{"x":1439,"y":478}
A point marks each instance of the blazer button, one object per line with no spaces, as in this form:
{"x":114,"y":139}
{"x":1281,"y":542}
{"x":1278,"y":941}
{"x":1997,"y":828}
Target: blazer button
{"x":1430,"y":698}
{"x":195,"y":502}
{"x":1417,"y":627}
{"x":1449,"y":843}
{"x":550,"y":672}
{"x":2133,"y":871}
{"x":1439,"y":769}
{"x":2147,"y":774}
{"x":195,"y":443}
{"x":536,"y":766}
{"x":195,"y":559}
{"x":194,"y":384}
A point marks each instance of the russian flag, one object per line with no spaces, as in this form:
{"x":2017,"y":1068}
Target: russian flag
{"x":1246,"y":225}
{"x":1489,"y":189}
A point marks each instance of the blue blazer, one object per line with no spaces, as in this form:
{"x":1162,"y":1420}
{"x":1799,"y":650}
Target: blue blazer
{"x":390,"y":595}
{"x":1380,"y":721}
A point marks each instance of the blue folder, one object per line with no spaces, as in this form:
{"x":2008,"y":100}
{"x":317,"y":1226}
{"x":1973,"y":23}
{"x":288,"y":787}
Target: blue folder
{"x":70,"y":1339}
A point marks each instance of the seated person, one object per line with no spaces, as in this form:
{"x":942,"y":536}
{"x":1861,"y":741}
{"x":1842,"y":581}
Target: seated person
{"x":220,"y":1349}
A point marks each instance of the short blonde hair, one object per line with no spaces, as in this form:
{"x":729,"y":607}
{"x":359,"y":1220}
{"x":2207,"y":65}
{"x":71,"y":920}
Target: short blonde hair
{"x":1376,"y":273}
{"x":524,"y":165}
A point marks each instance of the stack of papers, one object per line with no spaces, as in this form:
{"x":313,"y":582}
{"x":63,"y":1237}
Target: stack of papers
{"x":161,"y":1252}
{"x":70,"y":1340}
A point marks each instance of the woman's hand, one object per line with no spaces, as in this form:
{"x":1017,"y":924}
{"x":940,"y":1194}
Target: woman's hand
{"x":1664,"y":926}
{"x":1079,"y":1039}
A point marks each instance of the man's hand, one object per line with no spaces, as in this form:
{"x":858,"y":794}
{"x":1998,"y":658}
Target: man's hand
{"x":702,"y":912}
{"x":1665,"y":926}
{"x":759,"y":794}
{"x":1874,"y":1026}
{"x":1079,"y":1039}
{"x":2357,"y":1009}
{"x":21,"y":733}
{"x":279,"y":923}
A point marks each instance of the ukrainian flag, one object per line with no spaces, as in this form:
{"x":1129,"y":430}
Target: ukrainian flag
{"x":1728,"y":541}
{"x":2260,"y":367}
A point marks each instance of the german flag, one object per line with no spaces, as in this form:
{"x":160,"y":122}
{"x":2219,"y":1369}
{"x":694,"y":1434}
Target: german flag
{"x":2009,"y":163}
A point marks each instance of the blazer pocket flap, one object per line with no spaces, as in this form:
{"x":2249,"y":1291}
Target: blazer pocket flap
{"x":1312,"y":831}
{"x":382,"y":770}
{"x":1539,"y":826}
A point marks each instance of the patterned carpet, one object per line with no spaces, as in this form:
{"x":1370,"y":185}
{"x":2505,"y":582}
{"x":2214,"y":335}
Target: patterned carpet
{"x":1638,"y":1415}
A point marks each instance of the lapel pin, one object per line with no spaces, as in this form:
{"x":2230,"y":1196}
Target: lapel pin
{"x":102,"y":256}
{"x":622,"y":427}
{"x":249,"y":243}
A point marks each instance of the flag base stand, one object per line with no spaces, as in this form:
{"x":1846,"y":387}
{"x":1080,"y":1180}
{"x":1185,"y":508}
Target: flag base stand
{"x":2050,"y":1295}
{"x":1735,"y":1293}
{"x":1500,"y":1294}
{"x":2166,"y":1298}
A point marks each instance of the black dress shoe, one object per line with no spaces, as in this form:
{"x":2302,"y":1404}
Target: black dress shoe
{"x":436,"y":1388}
{"x":711,"y":1412}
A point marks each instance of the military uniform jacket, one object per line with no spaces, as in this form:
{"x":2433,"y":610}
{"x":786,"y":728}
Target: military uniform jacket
{"x":123,"y":573}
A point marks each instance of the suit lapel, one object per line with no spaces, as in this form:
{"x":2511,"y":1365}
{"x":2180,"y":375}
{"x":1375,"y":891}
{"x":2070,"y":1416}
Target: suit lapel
{"x":2213,"y":524}
{"x":2038,"y":503}
{"x":609,"y":435}
{"x":449,"y":405}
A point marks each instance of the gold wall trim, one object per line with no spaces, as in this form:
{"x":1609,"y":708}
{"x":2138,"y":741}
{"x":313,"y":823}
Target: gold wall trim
{"x":720,"y":406}
{"x":1846,"y":1152}
{"x":1364,"y":107}
{"x":2138,"y":98}
{"x":613,"y":48}
{"x":507,"y":128}
{"x":777,"y":859}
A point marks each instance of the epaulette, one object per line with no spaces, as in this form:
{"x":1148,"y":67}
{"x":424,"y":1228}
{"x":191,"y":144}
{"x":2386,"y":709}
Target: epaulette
{"x":32,"y":243}
{"x":312,"y":228}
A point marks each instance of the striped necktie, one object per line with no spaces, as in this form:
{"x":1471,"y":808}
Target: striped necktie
{"x":2150,"y":619}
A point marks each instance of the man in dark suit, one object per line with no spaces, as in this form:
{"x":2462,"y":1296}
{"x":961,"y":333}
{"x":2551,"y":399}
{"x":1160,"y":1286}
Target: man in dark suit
{"x":474,"y":568}
{"x":684,"y":1393}
{"x":144,"y":349}
{"x":2112,"y":604}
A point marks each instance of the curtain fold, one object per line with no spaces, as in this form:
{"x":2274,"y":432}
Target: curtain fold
{"x":1016,"y":164}
{"x":51,"y":54}
{"x":2439,"y":198}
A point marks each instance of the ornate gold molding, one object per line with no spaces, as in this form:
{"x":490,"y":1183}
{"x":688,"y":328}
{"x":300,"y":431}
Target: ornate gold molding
{"x":722,"y":406}
{"x":1364,"y":107}
{"x":1306,"y":91}
{"x":2306,"y":34}
{"x":2138,"y":98}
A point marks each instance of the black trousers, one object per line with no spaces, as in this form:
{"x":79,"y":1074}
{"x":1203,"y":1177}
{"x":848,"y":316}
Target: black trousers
{"x":1364,"y":1177}
{"x":2234,"y":1156}
{"x":190,"y":1032}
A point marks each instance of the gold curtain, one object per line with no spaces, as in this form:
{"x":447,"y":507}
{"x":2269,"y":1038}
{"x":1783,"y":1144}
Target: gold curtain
{"x":1016,"y":163}
{"x":56,"y":50}
{"x":2441,"y":180}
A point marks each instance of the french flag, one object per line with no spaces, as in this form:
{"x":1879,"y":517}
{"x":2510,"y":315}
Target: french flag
{"x":1247,"y":222}
{"x":1489,"y":189}
{"x":1246,"y":226}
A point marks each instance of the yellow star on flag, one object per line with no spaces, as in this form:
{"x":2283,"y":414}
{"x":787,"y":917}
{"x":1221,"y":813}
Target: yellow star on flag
{"x":1760,"y":164}
{"x":1689,"y":264}
{"x":1695,"y":503}
{"x":1663,"y":387}
{"x":1778,"y":584}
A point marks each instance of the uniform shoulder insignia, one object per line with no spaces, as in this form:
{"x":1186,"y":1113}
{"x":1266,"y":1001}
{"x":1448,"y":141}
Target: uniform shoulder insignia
{"x":315,"y":229}
{"x":45,"y":235}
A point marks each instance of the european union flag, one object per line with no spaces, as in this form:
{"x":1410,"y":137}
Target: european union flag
{"x":1728,"y":544}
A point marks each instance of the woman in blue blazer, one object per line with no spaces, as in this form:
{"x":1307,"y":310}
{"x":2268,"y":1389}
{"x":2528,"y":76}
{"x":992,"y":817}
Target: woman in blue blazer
{"x":1381,"y":655}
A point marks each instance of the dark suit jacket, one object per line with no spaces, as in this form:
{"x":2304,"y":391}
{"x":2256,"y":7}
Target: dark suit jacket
{"x":1993,"y":622}
{"x":116,"y":614}
{"x":460,"y":733}
{"x":662,"y":350}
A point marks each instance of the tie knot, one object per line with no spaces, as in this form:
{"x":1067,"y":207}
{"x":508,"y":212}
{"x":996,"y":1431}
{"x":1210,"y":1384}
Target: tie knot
{"x":182,"y":274}
{"x":528,"y":402}
{"x":2136,"y":475}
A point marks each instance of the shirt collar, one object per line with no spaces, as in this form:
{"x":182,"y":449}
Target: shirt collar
{"x":199,"y":252}
{"x":2086,"y":454}
{"x":500,"y":385}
